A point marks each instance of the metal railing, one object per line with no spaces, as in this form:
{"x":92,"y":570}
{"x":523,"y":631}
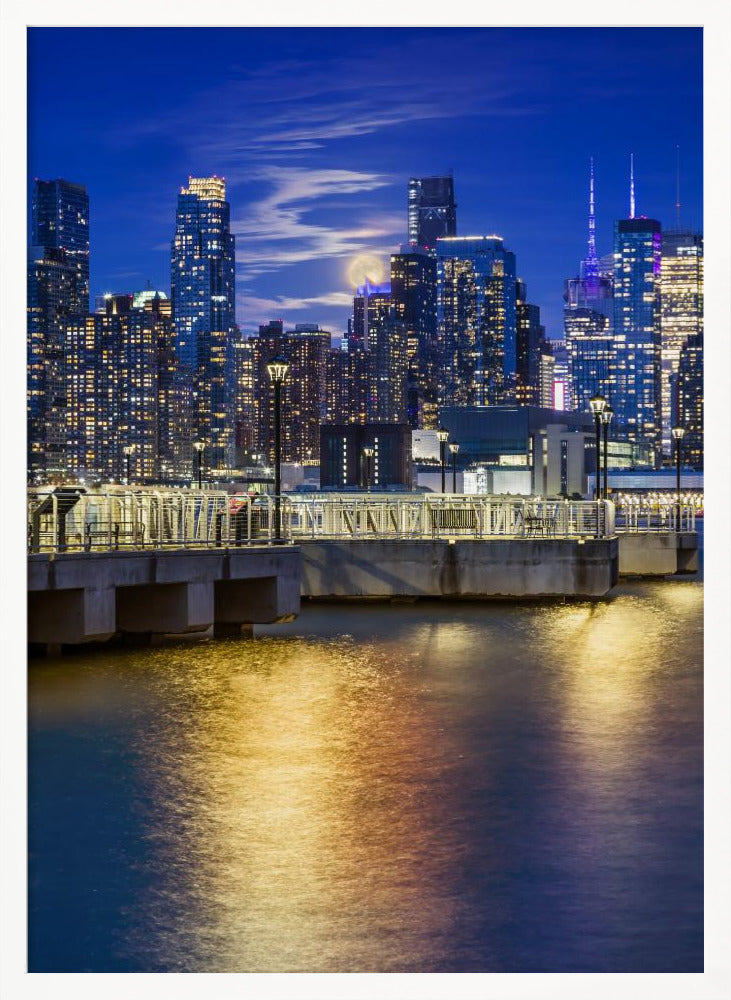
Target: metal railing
{"x":69,"y":519}
{"x":444,"y":516}
{"x":657,"y":517}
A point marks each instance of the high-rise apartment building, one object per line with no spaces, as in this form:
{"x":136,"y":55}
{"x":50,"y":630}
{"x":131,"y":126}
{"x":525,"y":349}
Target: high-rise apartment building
{"x":58,"y":287}
{"x":681,"y":303}
{"x":414,"y":298}
{"x":476,"y":320}
{"x":531,"y":345}
{"x":689,"y":414}
{"x":380,"y":336}
{"x":636,"y":397}
{"x":432,"y":210}
{"x":590,"y":357}
{"x":203,"y":297}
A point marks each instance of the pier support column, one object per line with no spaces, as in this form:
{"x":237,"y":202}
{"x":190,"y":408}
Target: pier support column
{"x":165,"y":607}
{"x":71,"y":616}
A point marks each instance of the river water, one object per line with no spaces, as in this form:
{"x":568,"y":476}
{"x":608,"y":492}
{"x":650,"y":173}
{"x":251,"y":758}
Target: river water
{"x":428,"y":787}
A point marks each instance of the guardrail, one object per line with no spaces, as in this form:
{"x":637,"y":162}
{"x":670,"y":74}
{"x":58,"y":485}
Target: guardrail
{"x":70,"y":519}
{"x":664,"y":517}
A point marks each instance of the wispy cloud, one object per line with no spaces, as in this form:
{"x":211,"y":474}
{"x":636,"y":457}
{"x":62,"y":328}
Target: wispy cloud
{"x":252,"y":310}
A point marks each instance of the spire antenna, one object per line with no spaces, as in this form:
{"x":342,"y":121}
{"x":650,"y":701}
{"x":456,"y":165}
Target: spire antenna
{"x":591,"y":260}
{"x":677,"y":186}
{"x":631,"y":185}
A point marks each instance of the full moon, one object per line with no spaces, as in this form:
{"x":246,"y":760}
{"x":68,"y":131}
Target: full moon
{"x":365,"y":266}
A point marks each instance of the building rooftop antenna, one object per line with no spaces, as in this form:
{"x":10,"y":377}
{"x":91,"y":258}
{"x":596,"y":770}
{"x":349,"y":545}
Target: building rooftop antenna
{"x":677,"y":187}
{"x":631,"y":185}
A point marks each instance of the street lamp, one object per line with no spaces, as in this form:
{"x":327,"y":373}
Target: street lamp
{"x":454,"y":448}
{"x":607,"y":414}
{"x":443,"y":435}
{"x":277,"y":368}
{"x":199,"y":446}
{"x":678,"y":434}
{"x":368,"y":454}
{"x":597,"y":404}
{"x":129,"y":450}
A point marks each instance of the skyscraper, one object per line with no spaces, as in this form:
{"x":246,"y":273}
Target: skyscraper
{"x":61,"y":222}
{"x":377,"y":327}
{"x":690,"y":398}
{"x":636,"y":398}
{"x":432,"y":210}
{"x":476,"y":320}
{"x":530,"y":347}
{"x":58,"y":287}
{"x":681,"y":303}
{"x":414,"y":297}
{"x":203,"y":297}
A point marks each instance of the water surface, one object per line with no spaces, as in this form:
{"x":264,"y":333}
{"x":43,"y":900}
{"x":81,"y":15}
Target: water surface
{"x":423,"y":787}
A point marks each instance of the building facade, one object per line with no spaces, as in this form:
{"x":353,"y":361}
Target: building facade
{"x":344,"y":465}
{"x":636,"y":396}
{"x":414,"y":298}
{"x":432,"y":210}
{"x":690,"y":399}
{"x":203,"y":306}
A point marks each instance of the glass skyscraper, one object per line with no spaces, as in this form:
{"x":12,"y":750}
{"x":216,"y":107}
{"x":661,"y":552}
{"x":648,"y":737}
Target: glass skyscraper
{"x":204,"y":314}
{"x":414,"y":297}
{"x":432,"y":209}
{"x":476,"y":321}
{"x":637,"y":331}
{"x":61,"y":222}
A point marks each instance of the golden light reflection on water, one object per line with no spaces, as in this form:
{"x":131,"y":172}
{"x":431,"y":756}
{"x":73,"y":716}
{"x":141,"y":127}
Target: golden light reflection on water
{"x":306,"y":811}
{"x":323,"y":801}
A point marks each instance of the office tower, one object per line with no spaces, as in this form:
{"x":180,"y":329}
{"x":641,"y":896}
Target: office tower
{"x":636,"y":397}
{"x":592,"y":288}
{"x":60,"y":221}
{"x":530,"y":345}
{"x":203,"y":297}
{"x":432,"y":210}
{"x":125,"y":390}
{"x":690,"y":399}
{"x":414,"y":298}
{"x":590,"y":357}
{"x":476,"y":320}
{"x":681,"y":305}
{"x":57,"y":287}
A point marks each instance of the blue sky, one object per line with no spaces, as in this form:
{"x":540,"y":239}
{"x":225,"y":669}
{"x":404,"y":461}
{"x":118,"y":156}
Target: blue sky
{"x":318,"y":130}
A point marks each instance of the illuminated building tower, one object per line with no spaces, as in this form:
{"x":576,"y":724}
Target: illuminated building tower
{"x":432,"y":210}
{"x":58,"y":287}
{"x":690,"y":399}
{"x":383,"y":335}
{"x":530,"y":344}
{"x":561,"y":379}
{"x":592,"y":288}
{"x":636,"y":396}
{"x":590,"y":357}
{"x":476,"y":321}
{"x":61,"y":222}
{"x":304,"y":392}
{"x":337,"y":387}
{"x":681,"y":306}
{"x":203,"y":296}
{"x":246,"y":439}
{"x":52,"y":298}
{"x":546,"y":374}
{"x":414,"y":298}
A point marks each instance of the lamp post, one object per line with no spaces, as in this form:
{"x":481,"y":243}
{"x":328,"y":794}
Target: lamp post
{"x":678,"y":434}
{"x":443,"y":435}
{"x":128,"y":450}
{"x":277,"y":368}
{"x":199,"y":446}
{"x":597,"y":405}
{"x":368,"y":453}
{"x":607,"y":415}
{"x":454,"y":448}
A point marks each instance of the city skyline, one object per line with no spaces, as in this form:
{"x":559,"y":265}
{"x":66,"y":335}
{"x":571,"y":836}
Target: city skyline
{"x":314,"y":176}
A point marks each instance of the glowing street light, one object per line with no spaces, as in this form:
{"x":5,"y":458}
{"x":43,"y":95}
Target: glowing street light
{"x":199,"y":446}
{"x":454,"y":448}
{"x":129,"y":450}
{"x":678,"y":435}
{"x":368,"y":453}
{"x":277,"y":369}
{"x":597,"y":405}
{"x":443,"y":435}
{"x":607,"y":414}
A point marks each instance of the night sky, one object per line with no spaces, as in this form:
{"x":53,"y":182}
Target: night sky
{"x":318,"y":130}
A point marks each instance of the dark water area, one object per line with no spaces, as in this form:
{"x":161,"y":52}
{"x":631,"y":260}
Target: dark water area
{"x":425,"y":787}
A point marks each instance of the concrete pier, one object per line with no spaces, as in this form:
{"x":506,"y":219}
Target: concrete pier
{"x":469,"y":568}
{"x":658,"y":553}
{"x":79,"y":597}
